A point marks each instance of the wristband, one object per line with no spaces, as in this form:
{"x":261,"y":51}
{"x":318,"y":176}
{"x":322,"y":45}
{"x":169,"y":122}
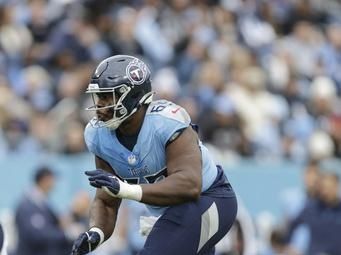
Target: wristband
{"x":100,"y":232}
{"x":128,"y":191}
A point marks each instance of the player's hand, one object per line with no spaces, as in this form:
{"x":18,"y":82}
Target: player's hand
{"x":113,"y":186}
{"x":102,"y":179}
{"x":85,"y":243}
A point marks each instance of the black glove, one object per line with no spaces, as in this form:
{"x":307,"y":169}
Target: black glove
{"x":86,"y":242}
{"x":113,"y":186}
{"x":101,"y":179}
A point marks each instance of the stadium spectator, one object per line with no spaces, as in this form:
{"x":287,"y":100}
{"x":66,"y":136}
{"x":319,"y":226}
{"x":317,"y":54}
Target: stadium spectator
{"x":322,"y":215}
{"x":294,"y":202}
{"x":38,"y":226}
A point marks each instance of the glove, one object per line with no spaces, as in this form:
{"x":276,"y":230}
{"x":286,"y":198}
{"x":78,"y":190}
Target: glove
{"x":101,"y":179}
{"x":86,"y":242}
{"x":113,"y":186}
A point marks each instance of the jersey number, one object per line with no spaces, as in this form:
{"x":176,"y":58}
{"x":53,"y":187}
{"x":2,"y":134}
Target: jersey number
{"x":149,"y":178}
{"x":158,"y":108}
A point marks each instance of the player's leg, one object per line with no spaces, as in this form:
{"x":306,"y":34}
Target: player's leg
{"x":227,"y":211}
{"x":191,"y":228}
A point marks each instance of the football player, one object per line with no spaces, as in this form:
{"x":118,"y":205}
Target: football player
{"x":150,"y":152}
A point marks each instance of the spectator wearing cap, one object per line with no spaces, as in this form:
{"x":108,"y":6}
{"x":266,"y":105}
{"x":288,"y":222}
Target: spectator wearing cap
{"x":39,"y":232}
{"x":260,"y":111}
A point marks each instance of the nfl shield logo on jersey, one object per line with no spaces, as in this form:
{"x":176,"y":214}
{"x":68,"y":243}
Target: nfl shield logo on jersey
{"x":132,"y":160}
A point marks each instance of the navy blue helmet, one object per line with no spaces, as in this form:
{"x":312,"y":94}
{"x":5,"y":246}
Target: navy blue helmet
{"x":128,"y":78}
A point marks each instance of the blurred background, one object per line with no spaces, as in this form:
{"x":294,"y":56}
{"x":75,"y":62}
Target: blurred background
{"x":262,"y":79}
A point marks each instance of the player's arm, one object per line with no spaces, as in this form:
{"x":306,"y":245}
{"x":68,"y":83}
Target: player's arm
{"x":104,"y":208}
{"x":184,"y":173}
{"x":103,"y":214}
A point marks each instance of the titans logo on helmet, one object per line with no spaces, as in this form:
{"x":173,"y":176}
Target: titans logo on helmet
{"x":137,"y":72}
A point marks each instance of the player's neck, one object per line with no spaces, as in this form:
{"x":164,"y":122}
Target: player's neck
{"x":133,"y":124}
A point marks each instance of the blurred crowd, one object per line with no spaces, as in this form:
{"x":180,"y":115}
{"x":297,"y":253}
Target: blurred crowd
{"x":261,"y":78}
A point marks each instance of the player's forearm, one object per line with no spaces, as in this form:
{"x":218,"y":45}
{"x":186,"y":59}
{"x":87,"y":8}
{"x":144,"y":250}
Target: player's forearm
{"x":175,"y":189}
{"x":103,"y":216}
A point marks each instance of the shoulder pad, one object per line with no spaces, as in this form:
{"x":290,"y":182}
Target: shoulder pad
{"x":169,"y":110}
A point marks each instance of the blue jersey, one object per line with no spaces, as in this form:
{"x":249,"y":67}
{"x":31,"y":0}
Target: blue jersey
{"x":146,"y":163}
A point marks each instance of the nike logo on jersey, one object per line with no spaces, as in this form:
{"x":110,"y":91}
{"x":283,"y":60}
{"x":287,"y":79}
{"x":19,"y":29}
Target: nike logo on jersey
{"x":175,"y":111}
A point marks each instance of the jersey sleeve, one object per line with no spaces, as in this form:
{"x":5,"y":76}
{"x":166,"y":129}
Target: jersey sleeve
{"x":91,"y":138}
{"x":170,"y":120}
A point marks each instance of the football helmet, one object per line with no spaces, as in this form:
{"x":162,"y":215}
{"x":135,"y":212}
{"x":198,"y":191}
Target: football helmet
{"x":128,"y":78}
